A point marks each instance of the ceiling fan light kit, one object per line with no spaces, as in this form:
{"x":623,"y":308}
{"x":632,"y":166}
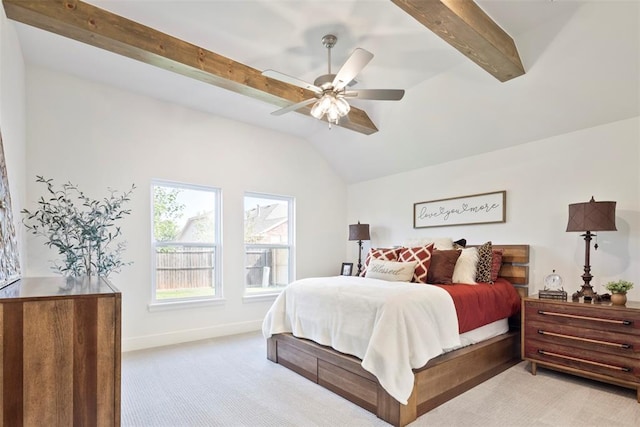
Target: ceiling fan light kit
{"x":330,"y":89}
{"x":333,"y":106}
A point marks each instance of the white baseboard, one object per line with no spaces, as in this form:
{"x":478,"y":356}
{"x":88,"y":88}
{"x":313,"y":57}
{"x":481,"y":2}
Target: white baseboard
{"x":177,"y":337}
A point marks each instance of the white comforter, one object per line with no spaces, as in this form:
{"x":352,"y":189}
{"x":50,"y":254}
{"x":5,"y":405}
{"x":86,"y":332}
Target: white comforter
{"x":393,"y":327}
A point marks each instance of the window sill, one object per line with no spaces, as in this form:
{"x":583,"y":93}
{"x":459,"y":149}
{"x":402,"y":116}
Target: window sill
{"x":270,"y":297}
{"x":178,"y":304}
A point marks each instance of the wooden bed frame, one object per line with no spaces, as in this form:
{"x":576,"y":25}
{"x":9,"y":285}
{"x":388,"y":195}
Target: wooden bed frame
{"x":440,"y":380}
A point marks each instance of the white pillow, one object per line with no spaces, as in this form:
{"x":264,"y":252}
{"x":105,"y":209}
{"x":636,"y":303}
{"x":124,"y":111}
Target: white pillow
{"x":465,"y":269}
{"x":440,"y":243}
{"x":391,"y":271}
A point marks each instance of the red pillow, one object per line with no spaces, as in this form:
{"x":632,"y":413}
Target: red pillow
{"x":385,"y":254}
{"x":422,"y":254}
{"x":442,"y":265}
{"x":496,"y":263}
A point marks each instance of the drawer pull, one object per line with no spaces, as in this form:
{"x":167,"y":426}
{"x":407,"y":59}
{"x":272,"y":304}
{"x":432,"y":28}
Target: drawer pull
{"x":577,"y":359}
{"x":596,"y":319}
{"x":571,"y":337}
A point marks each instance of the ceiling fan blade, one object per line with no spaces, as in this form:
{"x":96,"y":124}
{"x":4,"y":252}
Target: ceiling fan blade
{"x":344,"y":120}
{"x":272,"y":74}
{"x":378,"y":94}
{"x":356,"y":62}
{"x":293,"y":107}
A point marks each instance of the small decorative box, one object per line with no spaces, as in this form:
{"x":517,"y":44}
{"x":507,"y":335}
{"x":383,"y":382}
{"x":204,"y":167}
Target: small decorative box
{"x":552,"y":294}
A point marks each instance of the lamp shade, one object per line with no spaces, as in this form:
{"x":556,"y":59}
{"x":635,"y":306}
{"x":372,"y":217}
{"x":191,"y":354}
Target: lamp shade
{"x":359,"y":231}
{"x":592,"y":216}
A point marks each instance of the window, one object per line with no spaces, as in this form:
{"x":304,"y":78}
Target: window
{"x":186,"y":242}
{"x":268,"y":242}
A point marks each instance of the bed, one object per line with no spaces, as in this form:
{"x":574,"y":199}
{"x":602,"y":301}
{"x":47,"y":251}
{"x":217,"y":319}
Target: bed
{"x":439,"y":380}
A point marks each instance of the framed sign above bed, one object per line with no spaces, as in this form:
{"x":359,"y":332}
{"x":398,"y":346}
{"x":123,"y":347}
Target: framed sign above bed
{"x":475,"y":209}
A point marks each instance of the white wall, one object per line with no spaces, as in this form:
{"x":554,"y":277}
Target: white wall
{"x":12,"y":120}
{"x":541,"y":179}
{"x":98,"y":137}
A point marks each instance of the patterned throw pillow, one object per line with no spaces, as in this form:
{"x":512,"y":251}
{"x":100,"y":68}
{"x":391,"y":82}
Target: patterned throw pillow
{"x":496,"y":263}
{"x":483,"y":268}
{"x":422,"y":255}
{"x":385,"y":254}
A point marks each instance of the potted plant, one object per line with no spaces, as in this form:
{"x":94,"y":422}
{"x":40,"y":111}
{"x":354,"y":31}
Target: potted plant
{"x":619,"y":291}
{"x":82,"y":229}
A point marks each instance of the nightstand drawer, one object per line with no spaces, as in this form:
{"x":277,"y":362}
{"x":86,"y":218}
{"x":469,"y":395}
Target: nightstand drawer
{"x":589,"y":316}
{"x":613,"y":366}
{"x":626,"y":345}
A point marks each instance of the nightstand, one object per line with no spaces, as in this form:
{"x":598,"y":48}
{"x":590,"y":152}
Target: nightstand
{"x":597,"y":341}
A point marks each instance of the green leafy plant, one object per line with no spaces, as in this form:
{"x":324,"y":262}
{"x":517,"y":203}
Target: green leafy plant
{"x":620,"y":286}
{"x":83,"y":230}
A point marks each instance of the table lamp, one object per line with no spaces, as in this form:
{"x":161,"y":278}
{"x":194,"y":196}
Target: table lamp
{"x":359,"y":232}
{"x":585,"y":218}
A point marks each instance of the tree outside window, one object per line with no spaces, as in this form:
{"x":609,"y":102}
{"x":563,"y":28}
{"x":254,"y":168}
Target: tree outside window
{"x":185,"y":241}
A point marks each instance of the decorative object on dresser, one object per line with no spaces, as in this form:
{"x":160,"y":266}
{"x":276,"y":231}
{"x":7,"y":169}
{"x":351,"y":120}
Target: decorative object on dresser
{"x":553,"y":288}
{"x":588,"y":217}
{"x":60,"y":341}
{"x":359,"y":232}
{"x":619,"y":291}
{"x":597,"y":341}
{"x":83,"y":230}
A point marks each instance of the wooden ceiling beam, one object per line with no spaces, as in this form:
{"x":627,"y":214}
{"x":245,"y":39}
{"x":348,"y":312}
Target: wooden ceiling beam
{"x":465,"y":26}
{"x":86,"y":23}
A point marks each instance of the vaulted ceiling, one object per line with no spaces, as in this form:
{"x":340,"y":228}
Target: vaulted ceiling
{"x":467,"y":91}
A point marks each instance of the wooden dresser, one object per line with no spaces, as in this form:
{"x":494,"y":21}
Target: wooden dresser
{"x":597,"y":341}
{"x":60,"y":353}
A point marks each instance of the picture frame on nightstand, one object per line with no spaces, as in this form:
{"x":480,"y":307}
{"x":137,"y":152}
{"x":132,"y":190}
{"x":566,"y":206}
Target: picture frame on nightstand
{"x":347,"y":269}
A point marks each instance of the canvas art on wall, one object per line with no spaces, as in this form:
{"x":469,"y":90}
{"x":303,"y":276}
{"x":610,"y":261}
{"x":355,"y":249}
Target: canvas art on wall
{"x":9,"y":256}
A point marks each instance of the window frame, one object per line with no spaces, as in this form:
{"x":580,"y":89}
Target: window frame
{"x":290,"y":246}
{"x":216,"y":245}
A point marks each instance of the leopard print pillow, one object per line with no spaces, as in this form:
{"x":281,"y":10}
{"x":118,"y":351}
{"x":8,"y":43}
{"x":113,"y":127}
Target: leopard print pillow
{"x":483,"y":268}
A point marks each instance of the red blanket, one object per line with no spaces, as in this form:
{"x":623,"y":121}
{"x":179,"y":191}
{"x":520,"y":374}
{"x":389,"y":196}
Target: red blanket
{"x":481,"y":304}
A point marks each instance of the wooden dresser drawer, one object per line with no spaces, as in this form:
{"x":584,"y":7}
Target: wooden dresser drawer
{"x":615,"y":343}
{"x":614,"y":366}
{"x":589,"y":316}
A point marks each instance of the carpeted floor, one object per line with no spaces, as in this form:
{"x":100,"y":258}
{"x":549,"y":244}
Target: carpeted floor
{"x":229,"y":382}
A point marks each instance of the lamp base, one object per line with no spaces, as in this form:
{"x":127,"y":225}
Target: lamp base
{"x":359,"y":257}
{"x":585,"y":291}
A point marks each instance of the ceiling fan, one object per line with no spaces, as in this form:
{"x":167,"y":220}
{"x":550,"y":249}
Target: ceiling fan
{"x":330,"y":90}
